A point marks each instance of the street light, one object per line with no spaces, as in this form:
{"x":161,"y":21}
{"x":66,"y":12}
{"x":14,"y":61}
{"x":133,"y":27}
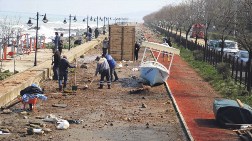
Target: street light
{"x":87,"y":22}
{"x":29,"y":23}
{"x":70,"y":18}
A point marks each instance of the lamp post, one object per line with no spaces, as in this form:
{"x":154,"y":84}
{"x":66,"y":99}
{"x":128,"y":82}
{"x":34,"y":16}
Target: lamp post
{"x":87,"y":22}
{"x":108,"y":20}
{"x":104,"y":20}
{"x":29,"y":23}
{"x":70,"y":18}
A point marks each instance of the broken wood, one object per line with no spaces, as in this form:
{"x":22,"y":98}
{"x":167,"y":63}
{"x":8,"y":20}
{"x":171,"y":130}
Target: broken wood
{"x":60,"y":105}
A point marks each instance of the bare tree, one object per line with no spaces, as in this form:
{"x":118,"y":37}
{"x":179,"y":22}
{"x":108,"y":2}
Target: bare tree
{"x":244,"y":32}
{"x":224,"y":24}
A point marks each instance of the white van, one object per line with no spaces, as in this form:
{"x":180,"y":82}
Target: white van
{"x":230,"y":47}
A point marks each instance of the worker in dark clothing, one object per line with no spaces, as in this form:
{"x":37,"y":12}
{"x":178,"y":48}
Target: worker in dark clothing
{"x":96,"y":32}
{"x":105,"y":45}
{"x":55,"y":62}
{"x":136,"y":50}
{"x":61,"y":43}
{"x":112,"y":65}
{"x":104,"y":70}
{"x":63,"y":72}
{"x":169,"y":42}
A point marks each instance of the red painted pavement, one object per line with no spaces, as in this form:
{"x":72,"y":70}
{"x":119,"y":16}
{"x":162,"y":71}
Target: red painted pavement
{"x":195,"y":98}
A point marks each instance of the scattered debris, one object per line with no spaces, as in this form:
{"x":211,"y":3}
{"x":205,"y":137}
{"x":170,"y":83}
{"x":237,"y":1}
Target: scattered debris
{"x":84,"y":66}
{"x":60,"y":105}
{"x":135,"y":69}
{"x":38,"y":131}
{"x":74,"y":121}
{"x":5,"y":130}
{"x":62,"y":124}
{"x":140,"y":90}
{"x":24,"y":113}
{"x":245,"y":133}
{"x":6,"y":111}
{"x":82,"y":56}
{"x":144,"y":105}
{"x":47,"y":130}
{"x":147,"y":125}
{"x":39,"y":117}
{"x":51,"y":118}
{"x":120,"y":65}
{"x":85,"y":87}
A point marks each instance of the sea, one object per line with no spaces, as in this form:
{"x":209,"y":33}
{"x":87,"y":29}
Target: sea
{"x":15,"y":23}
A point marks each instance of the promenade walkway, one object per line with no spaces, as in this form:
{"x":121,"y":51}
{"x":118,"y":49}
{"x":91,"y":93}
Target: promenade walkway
{"x":194,"y":98}
{"x":28,"y":73}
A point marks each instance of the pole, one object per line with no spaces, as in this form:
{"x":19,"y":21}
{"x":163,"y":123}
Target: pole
{"x":69,"y":32}
{"x":87,"y":24}
{"x":104,"y":21}
{"x":97,"y":21}
{"x":35,"y":60}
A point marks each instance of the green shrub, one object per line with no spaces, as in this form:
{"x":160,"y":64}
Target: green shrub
{"x":224,"y":69}
{"x":198,"y":55}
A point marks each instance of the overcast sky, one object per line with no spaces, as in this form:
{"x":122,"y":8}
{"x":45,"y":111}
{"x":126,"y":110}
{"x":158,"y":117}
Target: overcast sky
{"x":133,"y":9}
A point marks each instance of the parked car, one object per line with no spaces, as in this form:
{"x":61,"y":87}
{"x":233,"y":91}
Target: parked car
{"x":230,"y":47}
{"x":213,"y":44}
{"x":242,"y":57}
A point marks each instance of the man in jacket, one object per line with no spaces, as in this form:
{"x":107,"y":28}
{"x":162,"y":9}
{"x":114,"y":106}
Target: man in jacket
{"x":105,"y":45}
{"x":112,"y":65}
{"x":103,"y":69}
{"x":63,"y":72}
{"x":56,"y":62}
{"x":136,"y":50}
{"x":56,"y":42}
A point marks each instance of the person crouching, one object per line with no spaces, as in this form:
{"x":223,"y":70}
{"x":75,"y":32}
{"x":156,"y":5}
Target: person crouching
{"x":63,"y":72}
{"x":103,"y":69}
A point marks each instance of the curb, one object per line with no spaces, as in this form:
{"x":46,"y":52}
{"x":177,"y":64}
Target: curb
{"x":179,"y":114}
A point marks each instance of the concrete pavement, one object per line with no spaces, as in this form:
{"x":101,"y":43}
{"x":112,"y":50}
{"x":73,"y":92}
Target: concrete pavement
{"x":28,"y":73}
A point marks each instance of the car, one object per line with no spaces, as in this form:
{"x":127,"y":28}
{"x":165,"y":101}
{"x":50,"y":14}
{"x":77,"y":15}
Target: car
{"x":242,"y":57}
{"x":230,"y":47}
{"x":213,"y":44}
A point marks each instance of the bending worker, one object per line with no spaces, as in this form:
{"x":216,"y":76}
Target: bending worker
{"x":103,"y":69}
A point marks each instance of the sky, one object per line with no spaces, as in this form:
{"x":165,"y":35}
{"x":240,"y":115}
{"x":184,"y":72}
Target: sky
{"x":132,"y":9}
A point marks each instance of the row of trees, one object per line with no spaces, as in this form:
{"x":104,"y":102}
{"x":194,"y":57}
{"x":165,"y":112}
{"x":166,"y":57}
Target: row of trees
{"x":224,"y":18}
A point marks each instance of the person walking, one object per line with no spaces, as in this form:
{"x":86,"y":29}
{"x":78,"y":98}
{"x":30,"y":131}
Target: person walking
{"x":55,"y":62}
{"x":56,"y":41}
{"x":112,"y":65}
{"x":90,"y":30}
{"x":96,"y":32}
{"x":63,"y":72}
{"x":61,"y":43}
{"x":103,"y":69}
{"x":104,"y":29}
{"x":136,"y":50}
{"x":105,"y":45}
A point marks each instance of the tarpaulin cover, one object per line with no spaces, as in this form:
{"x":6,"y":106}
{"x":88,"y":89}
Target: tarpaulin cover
{"x":228,"y":111}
